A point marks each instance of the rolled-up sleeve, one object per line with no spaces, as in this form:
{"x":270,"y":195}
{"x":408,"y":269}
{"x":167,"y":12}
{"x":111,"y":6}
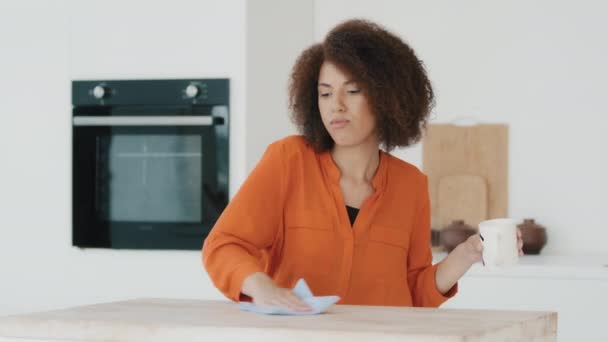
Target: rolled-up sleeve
{"x":238,"y":243}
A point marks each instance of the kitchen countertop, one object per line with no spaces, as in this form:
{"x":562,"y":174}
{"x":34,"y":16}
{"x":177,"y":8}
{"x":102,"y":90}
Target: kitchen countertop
{"x":195,"y":320}
{"x":545,"y":266}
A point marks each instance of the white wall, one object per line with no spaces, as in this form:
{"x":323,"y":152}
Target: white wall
{"x":535,"y":65}
{"x":277,"y":31}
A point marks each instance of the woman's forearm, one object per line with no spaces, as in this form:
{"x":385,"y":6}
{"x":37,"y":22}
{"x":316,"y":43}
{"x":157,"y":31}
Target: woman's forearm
{"x":452,"y":268}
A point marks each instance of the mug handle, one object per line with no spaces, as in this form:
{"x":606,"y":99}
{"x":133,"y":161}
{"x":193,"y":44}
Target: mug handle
{"x":481,"y":237}
{"x":484,"y":243}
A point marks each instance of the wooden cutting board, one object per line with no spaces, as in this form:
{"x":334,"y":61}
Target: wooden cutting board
{"x":479,"y":150}
{"x":462,"y":197}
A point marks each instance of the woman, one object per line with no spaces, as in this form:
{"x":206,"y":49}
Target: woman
{"x":330,"y":206}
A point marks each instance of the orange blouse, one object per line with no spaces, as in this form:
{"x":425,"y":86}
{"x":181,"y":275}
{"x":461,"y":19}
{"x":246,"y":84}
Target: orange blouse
{"x":289,"y":220}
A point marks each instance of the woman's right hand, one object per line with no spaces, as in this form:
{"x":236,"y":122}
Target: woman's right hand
{"x":264,"y":292}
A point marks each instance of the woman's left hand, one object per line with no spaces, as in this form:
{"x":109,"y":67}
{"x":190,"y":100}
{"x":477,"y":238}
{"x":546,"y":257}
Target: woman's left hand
{"x":456,"y":264}
{"x":472,"y":248}
{"x":520,"y":242}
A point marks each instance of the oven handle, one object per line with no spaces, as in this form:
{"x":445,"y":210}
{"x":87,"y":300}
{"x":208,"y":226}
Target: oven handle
{"x":143,"y":121}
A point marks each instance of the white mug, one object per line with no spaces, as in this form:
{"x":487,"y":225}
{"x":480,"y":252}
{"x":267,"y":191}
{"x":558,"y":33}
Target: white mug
{"x":499,"y":239}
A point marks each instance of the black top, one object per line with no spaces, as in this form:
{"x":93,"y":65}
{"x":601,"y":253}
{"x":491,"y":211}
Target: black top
{"x":352,"y":214}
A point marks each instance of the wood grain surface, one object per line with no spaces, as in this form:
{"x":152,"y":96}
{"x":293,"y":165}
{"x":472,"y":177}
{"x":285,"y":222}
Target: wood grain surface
{"x":198,"y":320}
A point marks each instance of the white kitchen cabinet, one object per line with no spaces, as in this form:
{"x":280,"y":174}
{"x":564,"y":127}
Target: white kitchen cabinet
{"x":576,"y":288}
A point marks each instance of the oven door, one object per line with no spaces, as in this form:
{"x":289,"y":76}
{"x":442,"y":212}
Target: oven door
{"x":148,"y":182}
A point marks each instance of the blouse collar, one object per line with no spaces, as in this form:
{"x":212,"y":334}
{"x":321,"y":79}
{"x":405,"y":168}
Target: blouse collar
{"x":333,"y":172}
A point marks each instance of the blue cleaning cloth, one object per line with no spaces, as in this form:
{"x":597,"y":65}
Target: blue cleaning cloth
{"x":318,"y":304}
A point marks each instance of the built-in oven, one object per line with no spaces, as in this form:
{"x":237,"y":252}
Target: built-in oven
{"x":150,"y":162}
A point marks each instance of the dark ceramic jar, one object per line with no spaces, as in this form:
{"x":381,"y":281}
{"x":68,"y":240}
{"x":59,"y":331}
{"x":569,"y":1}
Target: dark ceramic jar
{"x":454,"y":234}
{"x":533,"y":235}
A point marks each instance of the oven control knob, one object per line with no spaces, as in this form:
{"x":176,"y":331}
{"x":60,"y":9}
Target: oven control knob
{"x":192,"y":91}
{"x":100,"y":92}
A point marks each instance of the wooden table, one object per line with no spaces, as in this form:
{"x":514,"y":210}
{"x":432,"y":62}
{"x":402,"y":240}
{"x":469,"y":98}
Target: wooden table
{"x":198,"y":320}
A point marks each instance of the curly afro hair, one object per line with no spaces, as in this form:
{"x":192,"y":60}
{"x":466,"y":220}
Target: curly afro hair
{"x":392,"y":77}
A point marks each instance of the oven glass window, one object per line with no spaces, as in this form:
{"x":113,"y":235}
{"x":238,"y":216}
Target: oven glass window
{"x":149,"y":178}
